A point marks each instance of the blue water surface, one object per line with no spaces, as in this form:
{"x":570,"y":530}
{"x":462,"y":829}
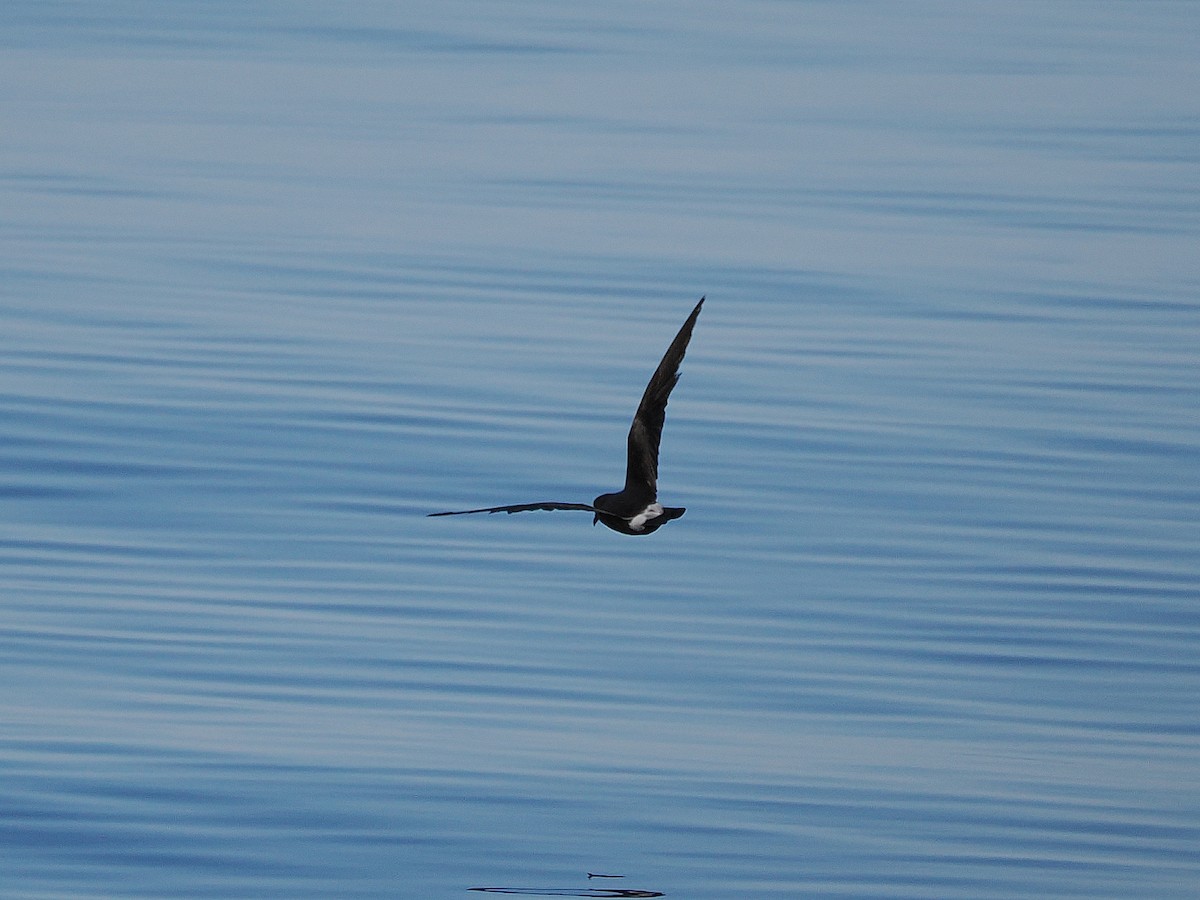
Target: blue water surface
{"x":278,"y":279}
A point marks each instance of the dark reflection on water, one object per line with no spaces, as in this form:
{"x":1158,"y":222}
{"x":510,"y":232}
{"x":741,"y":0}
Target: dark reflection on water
{"x":572,"y":892}
{"x":568,"y":892}
{"x":272,"y":288}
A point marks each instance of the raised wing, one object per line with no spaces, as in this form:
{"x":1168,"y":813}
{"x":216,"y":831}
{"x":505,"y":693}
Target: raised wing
{"x":519,"y":507}
{"x":641,"y":470}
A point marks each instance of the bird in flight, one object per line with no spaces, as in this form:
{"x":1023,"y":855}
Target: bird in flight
{"x":634,"y":509}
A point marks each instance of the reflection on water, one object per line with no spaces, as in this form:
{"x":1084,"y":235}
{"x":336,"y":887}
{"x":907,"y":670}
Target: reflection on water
{"x":568,"y":892}
{"x":273,"y":288}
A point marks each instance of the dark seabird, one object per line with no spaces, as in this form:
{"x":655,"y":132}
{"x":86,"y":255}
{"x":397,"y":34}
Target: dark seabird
{"x":634,"y":509}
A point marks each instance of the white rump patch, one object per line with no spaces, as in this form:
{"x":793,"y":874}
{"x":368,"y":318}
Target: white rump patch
{"x":653,"y":511}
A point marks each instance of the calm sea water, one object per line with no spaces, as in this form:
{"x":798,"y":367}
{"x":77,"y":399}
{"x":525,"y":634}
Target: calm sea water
{"x":278,"y":279}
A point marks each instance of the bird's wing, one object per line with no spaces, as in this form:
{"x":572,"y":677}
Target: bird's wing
{"x":641,"y":472}
{"x":519,"y":507}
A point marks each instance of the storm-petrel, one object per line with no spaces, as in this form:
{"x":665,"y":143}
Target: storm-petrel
{"x":635,"y":509}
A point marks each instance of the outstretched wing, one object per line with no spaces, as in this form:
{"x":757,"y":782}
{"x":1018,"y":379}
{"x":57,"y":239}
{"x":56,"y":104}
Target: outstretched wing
{"x":519,"y":507}
{"x":641,"y":471}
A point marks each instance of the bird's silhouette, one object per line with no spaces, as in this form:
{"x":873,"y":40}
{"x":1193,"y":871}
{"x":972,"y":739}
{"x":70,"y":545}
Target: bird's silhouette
{"x":634,"y":509}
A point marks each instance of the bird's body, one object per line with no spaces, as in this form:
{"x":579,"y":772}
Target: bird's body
{"x":634,"y":509}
